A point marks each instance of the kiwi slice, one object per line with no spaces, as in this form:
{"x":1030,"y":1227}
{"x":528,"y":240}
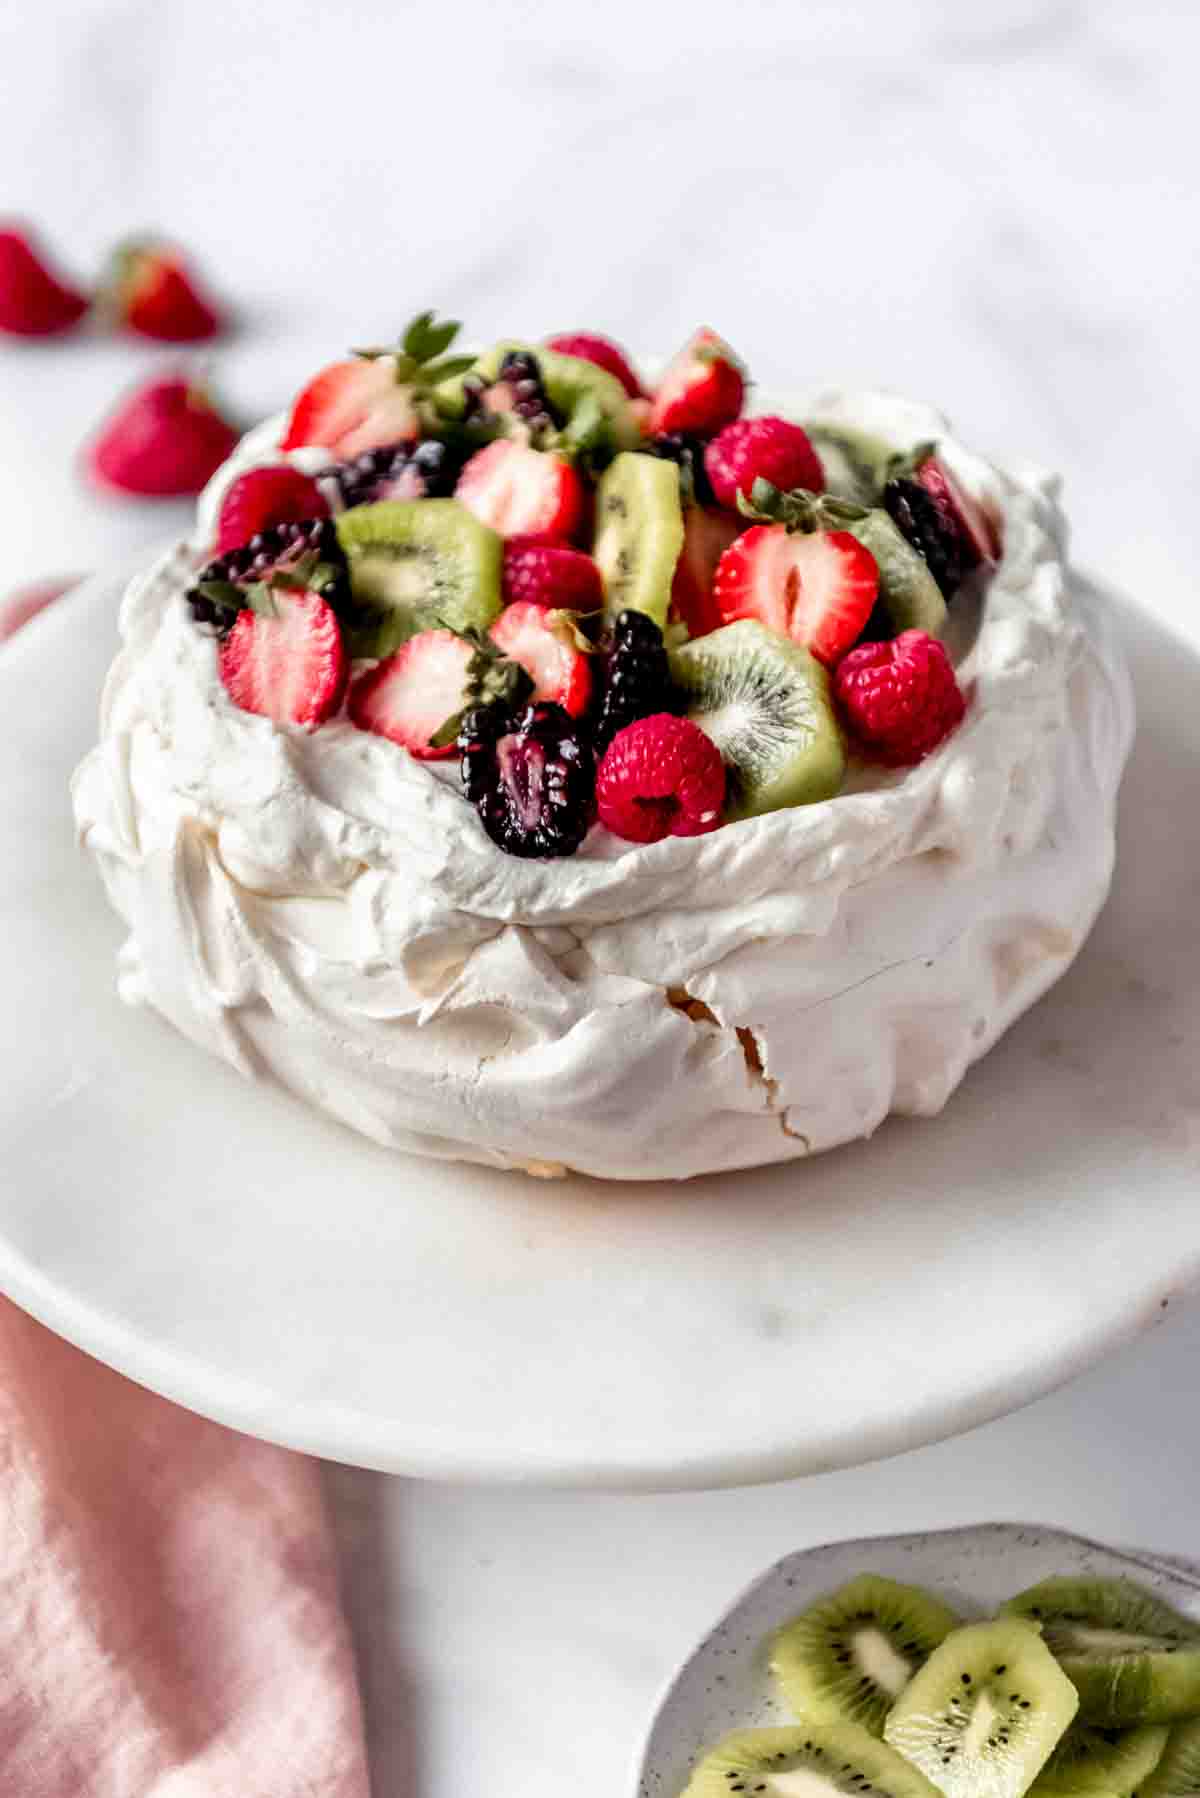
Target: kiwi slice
{"x":1133,"y":1658}
{"x":985,"y":1712}
{"x":805,"y":1762}
{"x":1090,"y":1759}
{"x":416,"y":564}
{"x":1177,"y":1774}
{"x":639,"y":534}
{"x":593,"y":403}
{"x":908,"y":592}
{"x":765,"y":703}
{"x":854,"y":464}
{"x":850,"y":1655}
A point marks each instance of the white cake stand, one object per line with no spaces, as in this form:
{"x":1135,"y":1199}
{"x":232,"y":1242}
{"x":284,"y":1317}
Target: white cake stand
{"x":222,"y":1245}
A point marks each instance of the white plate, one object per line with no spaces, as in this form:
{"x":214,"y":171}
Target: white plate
{"x":224,"y":1246}
{"x":725,"y":1683}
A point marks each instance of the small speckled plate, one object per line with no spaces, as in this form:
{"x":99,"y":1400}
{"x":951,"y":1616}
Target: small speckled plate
{"x":725,"y":1684}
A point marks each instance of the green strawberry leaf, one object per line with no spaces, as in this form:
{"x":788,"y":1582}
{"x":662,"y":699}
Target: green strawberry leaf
{"x":261,"y":600}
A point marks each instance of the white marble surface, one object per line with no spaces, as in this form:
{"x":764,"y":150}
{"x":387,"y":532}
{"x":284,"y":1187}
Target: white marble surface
{"x":991,"y":206}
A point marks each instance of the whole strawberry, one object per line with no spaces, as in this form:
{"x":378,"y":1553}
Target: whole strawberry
{"x":17,"y":608}
{"x":153,"y":291}
{"x":165,"y":440}
{"x":771,"y":449}
{"x":660,"y":777}
{"x":33,"y":301}
{"x":588,"y":346}
{"x":900,"y":699}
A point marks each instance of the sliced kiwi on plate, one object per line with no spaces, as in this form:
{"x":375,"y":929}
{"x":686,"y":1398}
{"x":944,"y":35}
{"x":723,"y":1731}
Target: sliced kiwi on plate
{"x":1090,"y":1759}
{"x":639,"y":534}
{"x":850,"y":1655}
{"x":1133,"y":1658}
{"x":584,"y":397}
{"x":806,"y":1761}
{"x":854,"y":464}
{"x":416,"y":565}
{"x":1177,"y":1774}
{"x":765,"y":703}
{"x":985,"y":1712}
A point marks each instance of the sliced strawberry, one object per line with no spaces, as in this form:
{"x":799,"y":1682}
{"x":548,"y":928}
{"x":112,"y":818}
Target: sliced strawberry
{"x":266,"y":497}
{"x":964,"y":511}
{"x":542,"y":641}
{"x":816,"y":588}
{"x":522,"y":492}
{"x":588,"y":346}
{"x":701,"y":390}
{"x":550,"y":574}
{"x":165,"y":440}
{"x":154,"y":292}
{"x":706,"y":537}
{"x":287,"y":663}
{"x":352,"y":407}
{"x":33,"y":301}
{"x":412,"y":694}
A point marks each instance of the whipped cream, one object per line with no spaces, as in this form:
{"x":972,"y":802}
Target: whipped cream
{"x":323,"y":910}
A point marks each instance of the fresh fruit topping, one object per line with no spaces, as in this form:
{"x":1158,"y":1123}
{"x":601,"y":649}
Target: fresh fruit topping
{"x":416,"y":565}
{"x":546,"y":644}
{"x":765,"y":703}
{"x":586,"y":346}
{"x":706,"y":537}
{"x":849,"y":1656}
{"x":1131,"y":1657}
{"x":378,"y":397}
{"x":983,"y":1714}
{"x":264,"y":497}
{"x":701,"y":390}
{"x":17,"y":608}
{"x":809,"y":1760}
{"x":550,"y":574}
{"x":531,"y":777}
{"x":522,"y":492}
{"x":33,"y":301}
{"x":302,"y":553}
{"x":165,"y":440}
{"x":639,"y":534}
{"x":818,"y":589}
{"x":418,"y":694}
{"x":955,"y":503}
{"x":402,"y":471}
{"x":516,"y":393}
{"x":594,"y":411}
{"x":152,"y":290}
{"x":688,"y":455}
{"x":284,"y":657}
{"x":899,"y":699}
{"x":855,"y":466}
{"x":661,"y":777}
{"x":923,"y":523}
{"x":768,"y":449}
{"x":637,"y":678}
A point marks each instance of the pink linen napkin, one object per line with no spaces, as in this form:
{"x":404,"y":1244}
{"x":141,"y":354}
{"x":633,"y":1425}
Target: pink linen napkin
{"x":170,"y":1624}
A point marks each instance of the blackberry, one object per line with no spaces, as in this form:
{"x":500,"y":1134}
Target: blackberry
{"x":402,"y":471}
{"x":637,"y":677}
{"x":531,"y":776}
{"x":688,"y":454}
{"x":931,"y":531}
{"x":308,"y":553}
{"x":517,"y":390}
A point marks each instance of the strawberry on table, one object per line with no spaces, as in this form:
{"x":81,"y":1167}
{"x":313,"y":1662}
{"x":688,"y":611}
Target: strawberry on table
{"x":164,"y":440}
{"x":284,"y":657}
{"x":33,"y":301}
{"x":265,"y":497}
{"x":520,"y":491}
{"x":771,"y":449}
{"x":549,"y":574}
{"x":817,"y":587}
{"x":544,"y":643}
{"x":154,"y":291}
{"x":411,"y":697}
{"x":701,"y":389}
{"x":17,"y":608}
{"x":589,"y":346}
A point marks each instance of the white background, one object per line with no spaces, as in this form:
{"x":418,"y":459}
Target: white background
{"x":990,"y":206}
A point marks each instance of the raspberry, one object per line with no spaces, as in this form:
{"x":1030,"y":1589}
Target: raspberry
{"x":900,"y":699}
{"x":549,"y":574}
{"x":637,"y":677}
{"x":770,"y":448}
{"x":660,"y":777}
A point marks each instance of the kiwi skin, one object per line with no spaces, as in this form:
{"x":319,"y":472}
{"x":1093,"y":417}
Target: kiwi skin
{"x":1089,"y":1759}
{"x":849,"y":1759}
{"x":848,"y":1656}
{"x":1153,"y":1676}
{"x":1177,"y":1774}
